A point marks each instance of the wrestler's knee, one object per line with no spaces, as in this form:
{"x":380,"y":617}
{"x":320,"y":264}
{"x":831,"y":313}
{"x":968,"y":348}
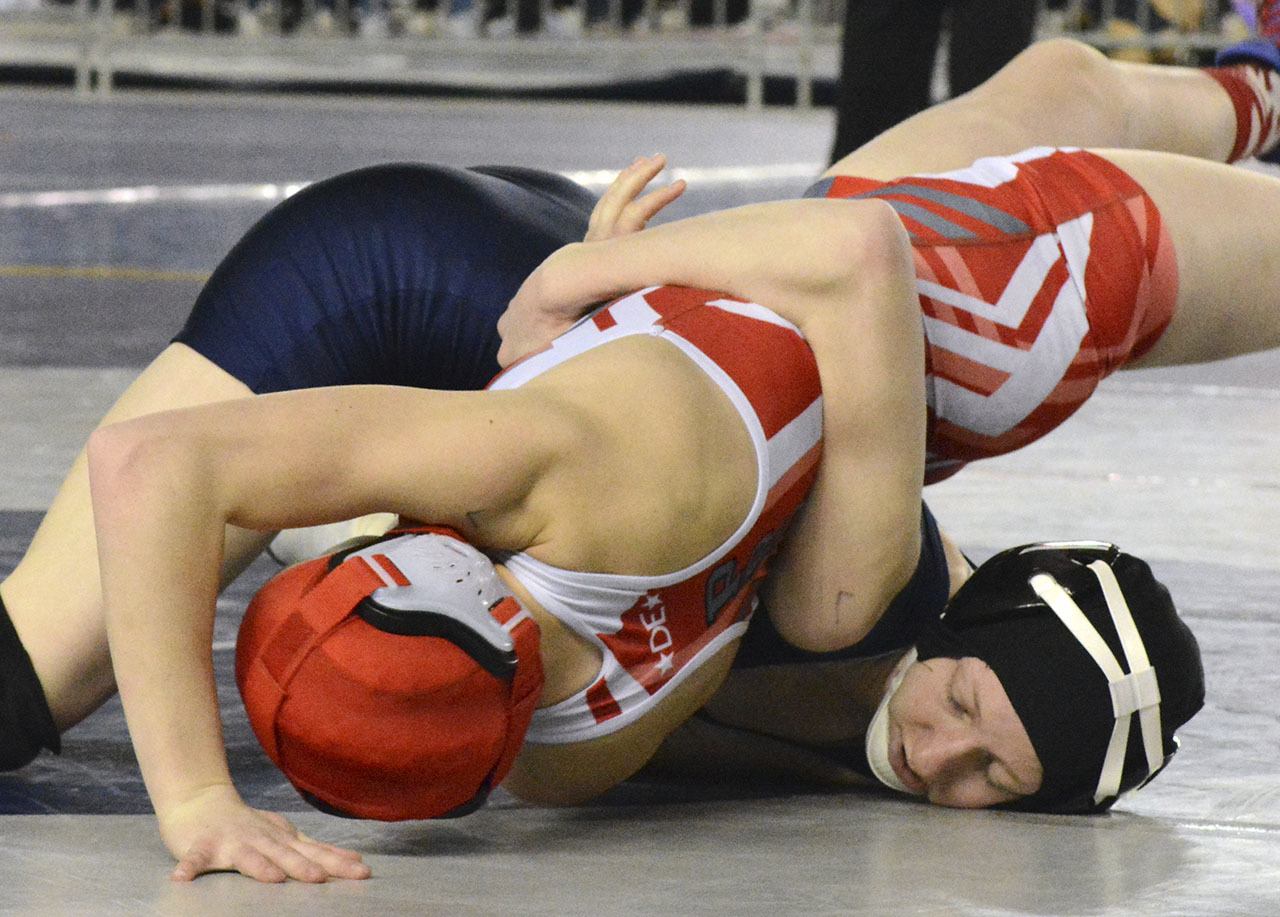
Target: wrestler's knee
{"x":1061,"y":79}
{"x":1057,"y":60}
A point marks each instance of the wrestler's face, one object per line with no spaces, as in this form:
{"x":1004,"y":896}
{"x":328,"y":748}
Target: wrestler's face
{"x":955,"y":738}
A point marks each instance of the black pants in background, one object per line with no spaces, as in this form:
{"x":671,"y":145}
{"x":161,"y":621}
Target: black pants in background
{"x":889,"y":50}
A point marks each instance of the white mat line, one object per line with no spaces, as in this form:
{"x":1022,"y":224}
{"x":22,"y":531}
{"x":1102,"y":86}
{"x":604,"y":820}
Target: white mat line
{"x":710,"y":175}
{"x":1228,"y":827}
{"x":150,"y":194}
{"x":276,"y":191}
{"x":1103,"y":476}
{"x":1199,"y":389}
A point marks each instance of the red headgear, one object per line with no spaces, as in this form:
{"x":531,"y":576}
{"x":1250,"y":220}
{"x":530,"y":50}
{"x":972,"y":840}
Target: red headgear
{"x":391,"y":681}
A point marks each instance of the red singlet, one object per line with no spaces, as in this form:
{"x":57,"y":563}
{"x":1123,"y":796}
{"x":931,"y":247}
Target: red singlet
{"x":1039,"y":274}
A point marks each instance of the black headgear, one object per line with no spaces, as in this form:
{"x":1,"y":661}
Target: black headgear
{"x":1091,"y":651}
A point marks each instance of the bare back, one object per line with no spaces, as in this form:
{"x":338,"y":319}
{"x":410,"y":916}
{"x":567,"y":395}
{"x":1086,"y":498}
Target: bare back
{"x":671,"y":472}
{"x":669,"y":475}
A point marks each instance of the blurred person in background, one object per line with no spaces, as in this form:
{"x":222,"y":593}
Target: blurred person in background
{"x":890,"y":49}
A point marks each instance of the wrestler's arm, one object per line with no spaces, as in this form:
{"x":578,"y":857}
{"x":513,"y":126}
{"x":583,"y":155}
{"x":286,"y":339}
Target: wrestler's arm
{"x":778,"y":254}
{"x":856,"y":541}
{"x":164,"y":487}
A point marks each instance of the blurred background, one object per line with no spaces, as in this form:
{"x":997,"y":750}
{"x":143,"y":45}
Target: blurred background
{"x":753,"y":52}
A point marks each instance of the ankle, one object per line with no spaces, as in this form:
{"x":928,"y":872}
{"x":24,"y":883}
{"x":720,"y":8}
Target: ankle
{"x":1254,"y":91}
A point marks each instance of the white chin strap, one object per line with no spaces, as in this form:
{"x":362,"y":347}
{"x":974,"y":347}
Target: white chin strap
{"x":878,"y":732}
{"x":1137,"y":692}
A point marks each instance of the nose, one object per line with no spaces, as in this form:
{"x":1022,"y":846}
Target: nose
{"x":941,"y":754}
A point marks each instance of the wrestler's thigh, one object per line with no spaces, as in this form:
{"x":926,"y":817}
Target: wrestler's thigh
{"x":1055,"y":93}
{"x":1221,"y":221}
{"x":54,"y":595}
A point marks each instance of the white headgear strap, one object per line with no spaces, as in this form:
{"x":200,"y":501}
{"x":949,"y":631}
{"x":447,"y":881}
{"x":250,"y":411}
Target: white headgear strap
{"x":1137,"y":692}
{"x":878,"y":732}
{"x":445,"y":576}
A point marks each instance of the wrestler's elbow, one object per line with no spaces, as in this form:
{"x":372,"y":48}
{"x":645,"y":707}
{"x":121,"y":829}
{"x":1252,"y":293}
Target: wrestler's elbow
{"x":823,"y":634}
{"x":867,"y":241}
{"x":131,"y":461}
{"x":808,"y":623}
{"x":115,"y":454}
{"x":860,"y":248}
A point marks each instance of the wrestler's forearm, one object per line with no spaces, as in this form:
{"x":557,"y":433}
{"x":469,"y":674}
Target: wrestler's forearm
{"x":778,"y":254}
{"x":159,"y":559}
{"x":160,"y":511}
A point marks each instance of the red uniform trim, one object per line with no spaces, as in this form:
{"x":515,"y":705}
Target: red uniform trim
{"x":600,"y":700}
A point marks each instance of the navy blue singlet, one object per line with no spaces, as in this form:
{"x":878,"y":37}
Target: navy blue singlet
{"x":393,"y":274}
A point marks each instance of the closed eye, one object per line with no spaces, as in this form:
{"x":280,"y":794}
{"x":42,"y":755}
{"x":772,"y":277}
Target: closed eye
{"x":996,"y":783}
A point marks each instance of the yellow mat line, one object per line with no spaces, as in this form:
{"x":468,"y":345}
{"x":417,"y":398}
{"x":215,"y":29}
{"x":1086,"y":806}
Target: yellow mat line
{"x":100,"y":273}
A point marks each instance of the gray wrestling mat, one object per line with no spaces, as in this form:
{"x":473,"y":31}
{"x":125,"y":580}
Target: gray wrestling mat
{"x":1179,"y":466}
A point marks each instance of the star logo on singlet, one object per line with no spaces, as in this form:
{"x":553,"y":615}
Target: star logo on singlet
{"x":665,"y":662}
{"x":652,"y":601}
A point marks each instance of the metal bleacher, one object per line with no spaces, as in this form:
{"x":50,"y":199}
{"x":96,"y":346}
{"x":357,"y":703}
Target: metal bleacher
{"x":585,"y":49}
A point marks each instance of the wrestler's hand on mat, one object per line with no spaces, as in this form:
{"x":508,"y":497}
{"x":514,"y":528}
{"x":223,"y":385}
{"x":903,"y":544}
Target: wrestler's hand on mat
{"x":621,"y":210}
{"x":215,"y":831}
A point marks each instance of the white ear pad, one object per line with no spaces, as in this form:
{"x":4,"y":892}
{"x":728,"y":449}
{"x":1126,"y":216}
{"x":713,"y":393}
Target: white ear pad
{"x":878,"y":733}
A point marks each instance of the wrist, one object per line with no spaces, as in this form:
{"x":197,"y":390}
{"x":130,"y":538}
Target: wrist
{"x":178,"y":803}
{"x":564,"y":285}
{"x":584,"y":274}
